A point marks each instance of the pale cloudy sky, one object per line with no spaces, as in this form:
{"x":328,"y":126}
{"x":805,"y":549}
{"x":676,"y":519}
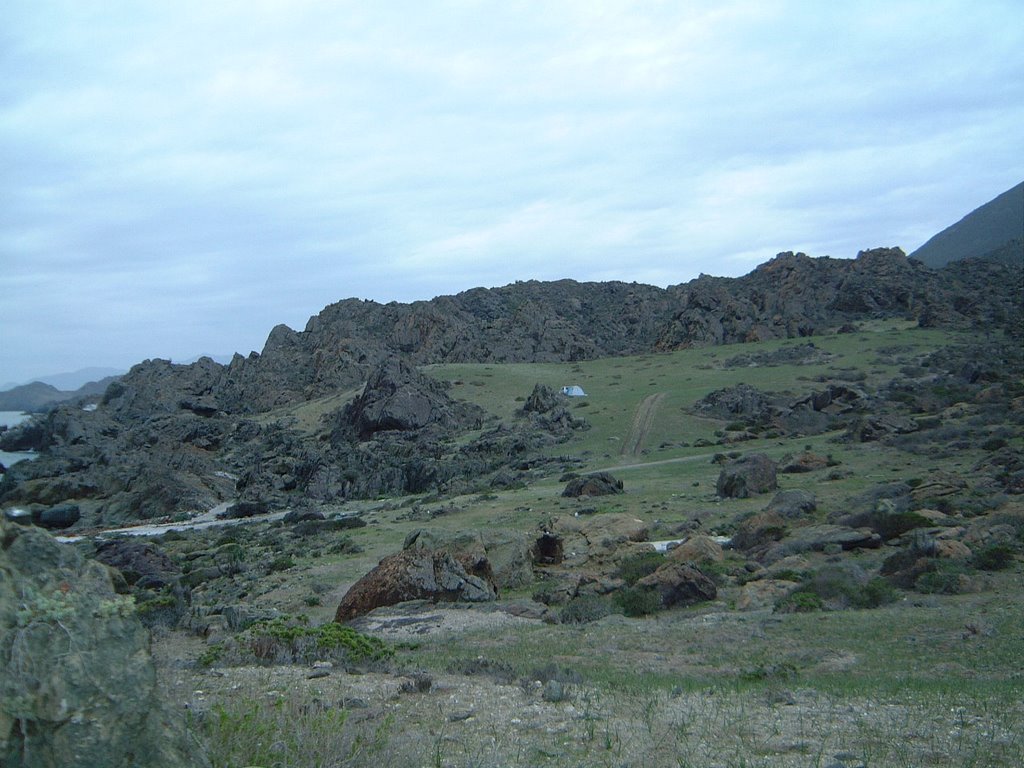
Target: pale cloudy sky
{"x":177,"y":178}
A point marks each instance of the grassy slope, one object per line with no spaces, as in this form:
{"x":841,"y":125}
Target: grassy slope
{"x":928,"y":655}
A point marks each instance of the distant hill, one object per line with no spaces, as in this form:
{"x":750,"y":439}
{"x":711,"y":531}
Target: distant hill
{"x":995,"y":230}
{"x":69,"y":381}
{"x":39,"y":395}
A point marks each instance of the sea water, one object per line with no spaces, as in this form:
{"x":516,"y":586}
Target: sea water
{"x":10,"y":419}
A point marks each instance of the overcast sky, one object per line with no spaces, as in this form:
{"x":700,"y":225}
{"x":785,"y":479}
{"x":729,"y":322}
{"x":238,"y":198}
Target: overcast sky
{"x":179,"y":177}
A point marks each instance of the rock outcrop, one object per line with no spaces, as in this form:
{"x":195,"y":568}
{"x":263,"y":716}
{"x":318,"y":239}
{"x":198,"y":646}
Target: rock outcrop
{"x":596,"y":484}
{"x":77,"y":685}
{"x":417,"y":574}
{"x":753,"y":473}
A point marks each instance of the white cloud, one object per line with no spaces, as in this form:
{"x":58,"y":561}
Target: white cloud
{"x":182,"y":177}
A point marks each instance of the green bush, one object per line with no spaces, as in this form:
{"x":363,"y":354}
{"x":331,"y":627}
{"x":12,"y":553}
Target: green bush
{"x":799,"y":602}
{"x":994,"y":557}
{"x":287,"y":641}
{"x":944,"y":579}
{"x":281,"y":563}
{"x":635,"y":567}
{"x":875,"y":593}
{"x":636,"y":601}
{"x":584,"y":609}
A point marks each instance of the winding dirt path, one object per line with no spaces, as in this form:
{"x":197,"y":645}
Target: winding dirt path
{"x":643,"y":418}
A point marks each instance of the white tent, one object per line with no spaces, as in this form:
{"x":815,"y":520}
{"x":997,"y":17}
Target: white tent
{"x":574,"y":391}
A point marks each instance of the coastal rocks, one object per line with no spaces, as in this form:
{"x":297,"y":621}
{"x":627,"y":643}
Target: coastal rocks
{"x":417,"y":574}
{"x":749,"y":474}
{"x":77,"y":685}
{"x":597,"y":484}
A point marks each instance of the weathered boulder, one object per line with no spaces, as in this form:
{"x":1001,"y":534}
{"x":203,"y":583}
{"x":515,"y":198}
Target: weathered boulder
{"x":509,"y":553}
{"x":803,"y":462}
{"x":870,"y":428}
{"x":679,"y":584}
{"x":741,"y":401}
{"x":141,"y":563}
{"x":819,"y":538}
{"x":752,"y":473}
{"x":758,"y":531}
{"x":792,"y":504}
{"x":698,"y":550}
{"x":77,"y":683}
{"x":597,"y":484}
{"x":57,"y":517}
{"x":417,"y":574}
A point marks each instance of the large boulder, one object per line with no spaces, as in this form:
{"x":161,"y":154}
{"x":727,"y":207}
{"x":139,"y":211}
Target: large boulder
{"x":509,"y":553}
{"x":397,"y":397}
{"x":753,"y":473}
{"x":679,"y":584}
{"x":698,"y":550}
{"x":596,"y":484}
{"x":792,"y":504}
{"x":418,"y":574}
{"x":57,"y":517}
{"x":141,"y":563}
{"x":77,"y":684}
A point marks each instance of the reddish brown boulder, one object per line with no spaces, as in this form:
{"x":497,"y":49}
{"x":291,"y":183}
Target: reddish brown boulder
{"x":418,"y":574}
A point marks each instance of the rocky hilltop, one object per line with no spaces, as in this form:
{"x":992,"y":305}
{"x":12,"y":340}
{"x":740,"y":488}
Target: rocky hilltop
{"x":167,"y":439}
{"x":790,"y":296}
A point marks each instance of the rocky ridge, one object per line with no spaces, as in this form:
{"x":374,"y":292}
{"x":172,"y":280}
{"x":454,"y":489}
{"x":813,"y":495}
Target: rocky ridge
{"x":167,"y":439}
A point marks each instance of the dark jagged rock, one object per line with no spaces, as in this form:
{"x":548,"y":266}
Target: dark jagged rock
{"x":77,"y":684}
{"x":140,"y":562}
{"x":740,"y":401}
{"x":399,"y":398}
{"x":542,"y":400}
{"x":752,"y":473}
{"x":792,"y":504}
{"x":58,"y":517}
{"x":417,"y":574}
{"x":597,"y":484}
{"x":679,"y":584}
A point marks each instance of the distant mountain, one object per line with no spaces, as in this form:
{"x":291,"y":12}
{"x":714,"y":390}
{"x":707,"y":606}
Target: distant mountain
{"x":995,"y":230}
{"x":39,"y":395}
{"x":69,"y":381}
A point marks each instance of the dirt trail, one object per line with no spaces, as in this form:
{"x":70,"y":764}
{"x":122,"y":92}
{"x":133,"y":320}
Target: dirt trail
{"x":643,"y":418}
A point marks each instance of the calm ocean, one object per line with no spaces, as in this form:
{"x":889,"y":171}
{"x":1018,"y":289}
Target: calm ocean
{"x":9,"y":419}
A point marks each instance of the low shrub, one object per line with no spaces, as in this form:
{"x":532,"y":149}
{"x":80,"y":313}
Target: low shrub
{"x":585,"y":609}
{"x":799,"y":602}
{"x":280,"y":640}
{"x":635,"y":567}
{"x":636,"y":601}
{"x":994,"y":557}
{"x":946,"y":578}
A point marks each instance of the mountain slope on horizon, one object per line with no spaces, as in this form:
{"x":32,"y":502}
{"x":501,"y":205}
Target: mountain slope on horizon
{"x":996,"y":226}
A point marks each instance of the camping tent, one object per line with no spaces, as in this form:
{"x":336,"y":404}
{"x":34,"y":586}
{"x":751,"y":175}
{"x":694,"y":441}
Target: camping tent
{"x":574,"y":391}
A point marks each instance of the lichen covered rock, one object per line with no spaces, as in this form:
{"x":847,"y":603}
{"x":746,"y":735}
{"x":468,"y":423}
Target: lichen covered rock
{"x":78,"y":687}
